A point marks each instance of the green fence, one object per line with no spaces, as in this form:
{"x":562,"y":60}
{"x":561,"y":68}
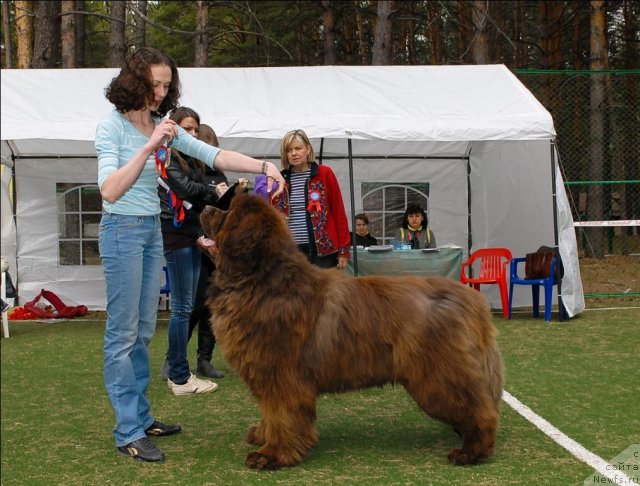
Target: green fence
{"x":597,"y":120}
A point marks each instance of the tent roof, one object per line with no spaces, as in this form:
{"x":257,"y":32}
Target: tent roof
{"x":397,"y":103}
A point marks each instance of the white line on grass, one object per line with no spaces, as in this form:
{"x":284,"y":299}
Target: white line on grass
{"x":610,"y":308}
{"x":576,"y":449}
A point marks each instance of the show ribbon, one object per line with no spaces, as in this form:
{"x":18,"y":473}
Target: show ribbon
{"x":314,"y":202}
{"x":164,"y":185}
{"x":175,"y":203}
{"x":161,"y":155}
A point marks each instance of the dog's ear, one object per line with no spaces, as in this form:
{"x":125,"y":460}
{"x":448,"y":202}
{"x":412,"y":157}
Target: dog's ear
{"x":212,"y":220}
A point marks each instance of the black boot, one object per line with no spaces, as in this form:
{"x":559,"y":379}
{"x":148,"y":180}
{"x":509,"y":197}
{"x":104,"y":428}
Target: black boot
{"x":164,"y":372}
{"x":205,"y":368}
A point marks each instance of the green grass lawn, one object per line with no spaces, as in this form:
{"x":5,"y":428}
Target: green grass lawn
{"x":581,"y":375}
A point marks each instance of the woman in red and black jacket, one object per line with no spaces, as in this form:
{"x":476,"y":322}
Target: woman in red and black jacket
{"x":313,"y":204}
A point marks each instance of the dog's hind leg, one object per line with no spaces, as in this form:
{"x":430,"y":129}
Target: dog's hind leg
{"x":288,"y":432}
{"x":474,"y":418}
{"x":478,"y":431}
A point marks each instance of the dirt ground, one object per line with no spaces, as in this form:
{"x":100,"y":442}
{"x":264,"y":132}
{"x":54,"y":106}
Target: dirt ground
{"x":612,"y":275}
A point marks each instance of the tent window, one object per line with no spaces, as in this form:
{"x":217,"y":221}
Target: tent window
{"x":79,"y":213}
{"x":385,"y":203}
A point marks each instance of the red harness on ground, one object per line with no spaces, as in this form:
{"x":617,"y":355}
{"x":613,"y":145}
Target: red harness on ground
{"x":61,"y":309}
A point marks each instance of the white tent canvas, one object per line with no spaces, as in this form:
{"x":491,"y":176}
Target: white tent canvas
{"x":475,"y":133}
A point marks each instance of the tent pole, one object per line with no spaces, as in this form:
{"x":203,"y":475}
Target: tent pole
{"x":353,"y":211}
{"x":556,"y":244}
{"x":469,"y":236}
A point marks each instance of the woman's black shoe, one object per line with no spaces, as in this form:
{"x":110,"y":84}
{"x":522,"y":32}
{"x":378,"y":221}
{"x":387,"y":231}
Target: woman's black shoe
{"x":158,"y":429}
{"x":143,"y":450}
{"x":205,"y":368}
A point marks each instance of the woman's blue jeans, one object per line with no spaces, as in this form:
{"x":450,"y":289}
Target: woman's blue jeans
{"x":184,"y":270}
{"x":131,"y":253}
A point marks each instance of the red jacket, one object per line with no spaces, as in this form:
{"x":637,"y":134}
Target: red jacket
{"x":326,"y":215}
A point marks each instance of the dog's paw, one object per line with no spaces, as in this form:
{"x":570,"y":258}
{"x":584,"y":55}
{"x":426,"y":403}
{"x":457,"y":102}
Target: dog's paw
{"x":258,"y":461}
{"x":253,"y":437}
{"x":459,"y":457}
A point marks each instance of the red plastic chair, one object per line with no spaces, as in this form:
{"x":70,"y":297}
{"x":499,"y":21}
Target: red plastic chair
{"x":493,"y":263}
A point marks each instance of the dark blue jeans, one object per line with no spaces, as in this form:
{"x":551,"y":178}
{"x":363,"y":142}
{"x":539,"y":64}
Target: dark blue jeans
{"x":184,"y":270}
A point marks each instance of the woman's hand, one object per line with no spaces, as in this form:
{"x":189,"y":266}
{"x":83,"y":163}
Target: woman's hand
{"x":164,"y":132}
{"x":342,"y":262}
{"x":221,"y":188}
{"x":273,"y":174}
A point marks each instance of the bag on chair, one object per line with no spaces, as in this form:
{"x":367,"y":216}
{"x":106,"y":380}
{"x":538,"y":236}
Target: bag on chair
{"x":538,"y":264}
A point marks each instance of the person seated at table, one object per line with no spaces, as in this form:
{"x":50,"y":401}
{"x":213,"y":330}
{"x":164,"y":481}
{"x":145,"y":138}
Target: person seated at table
{"x":415,"y":230}
{"x":363,"y":237}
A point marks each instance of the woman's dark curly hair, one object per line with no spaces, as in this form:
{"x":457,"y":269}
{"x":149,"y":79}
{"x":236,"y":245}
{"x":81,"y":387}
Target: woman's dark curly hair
{"x":414,"y":209}
{"x":132,"y":89}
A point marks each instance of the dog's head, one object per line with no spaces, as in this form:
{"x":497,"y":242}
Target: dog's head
{"x":247,"y":237}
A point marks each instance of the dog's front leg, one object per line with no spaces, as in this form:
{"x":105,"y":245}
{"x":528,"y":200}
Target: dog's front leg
{"x":255,"y":435}
{"x":288,"y":431}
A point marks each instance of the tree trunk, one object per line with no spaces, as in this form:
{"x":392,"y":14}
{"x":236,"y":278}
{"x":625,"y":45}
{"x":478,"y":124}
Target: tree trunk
{"x":141,"y":25}
{"x":46,"y":38}
{"x":522,"y":34}
{"x":24,"y":34}
{"x":480,"y":44}
{"x":117,"y":47}
{"x":580,"y":27}
{"x":381,"y":54}
{"x":81,"y":34}
{"x":202,"y":40}
{"x":362,"y":38}
{"x":433,"y":13}
{"x":409,"y":35}
{"x":8,"y":39}
{"x":631,"y":165}
{"x":465,"y":30}
{"x":595,"y":200}
{"x":328,"y":24}
{"x":68,"y":34}
{"x":554,"y":58}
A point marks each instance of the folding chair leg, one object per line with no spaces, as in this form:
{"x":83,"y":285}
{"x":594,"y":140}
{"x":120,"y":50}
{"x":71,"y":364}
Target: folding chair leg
{"x":506,"y":306}
{"x":548,"y":292}
{"x":510,"y":299}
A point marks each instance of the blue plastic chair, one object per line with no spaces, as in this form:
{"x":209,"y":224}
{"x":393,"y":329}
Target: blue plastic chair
{"x":535,"y":283}
{"x":165,"y":289}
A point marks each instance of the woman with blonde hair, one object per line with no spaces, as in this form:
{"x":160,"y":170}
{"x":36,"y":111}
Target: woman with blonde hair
{"x":312,"y":203}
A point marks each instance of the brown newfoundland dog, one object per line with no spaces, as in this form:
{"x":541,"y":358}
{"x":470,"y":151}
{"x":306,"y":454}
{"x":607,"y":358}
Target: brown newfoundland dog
{"x":292,"y":331}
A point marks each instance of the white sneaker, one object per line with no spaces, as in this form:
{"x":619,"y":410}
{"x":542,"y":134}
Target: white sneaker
{"x":192,"y":386}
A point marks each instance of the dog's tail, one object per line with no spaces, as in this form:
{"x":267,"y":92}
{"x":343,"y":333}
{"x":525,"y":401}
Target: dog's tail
{"x":491,"y":362}
{"x":494,"y":371}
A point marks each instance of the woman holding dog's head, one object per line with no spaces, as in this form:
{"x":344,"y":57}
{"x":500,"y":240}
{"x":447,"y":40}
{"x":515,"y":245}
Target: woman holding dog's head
{"x":131,"y":142}
{"x":313,"y":204}
{"x":414,"y":229}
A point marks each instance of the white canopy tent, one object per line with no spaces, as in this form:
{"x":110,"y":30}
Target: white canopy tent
{"x":475,"y":133}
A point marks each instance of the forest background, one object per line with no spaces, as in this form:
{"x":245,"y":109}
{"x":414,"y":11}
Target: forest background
{"x":581,"y":59}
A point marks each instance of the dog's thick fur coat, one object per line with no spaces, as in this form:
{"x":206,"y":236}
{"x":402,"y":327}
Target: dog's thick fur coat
{"x":292,"y":331}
